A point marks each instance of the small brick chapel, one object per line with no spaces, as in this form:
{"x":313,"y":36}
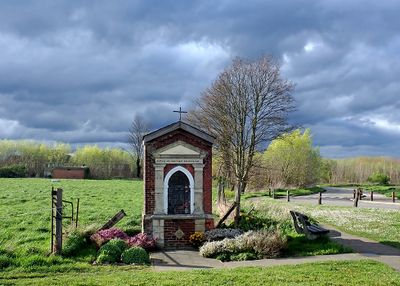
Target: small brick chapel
{"x":177,"y":184}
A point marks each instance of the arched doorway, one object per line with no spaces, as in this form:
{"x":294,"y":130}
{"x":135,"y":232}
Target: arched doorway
{"x":178,"y":194}
{"x":178,"y":191}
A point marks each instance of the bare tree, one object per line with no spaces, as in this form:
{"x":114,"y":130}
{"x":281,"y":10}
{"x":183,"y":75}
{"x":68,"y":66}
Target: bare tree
{"x":245,"y":108}
{"x":137,"y":130}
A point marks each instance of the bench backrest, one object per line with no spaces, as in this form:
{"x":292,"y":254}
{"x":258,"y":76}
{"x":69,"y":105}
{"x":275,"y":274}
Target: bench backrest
{"x":299,"y":222}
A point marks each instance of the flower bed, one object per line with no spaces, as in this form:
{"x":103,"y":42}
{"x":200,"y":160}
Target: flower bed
{"x":250,"y":245}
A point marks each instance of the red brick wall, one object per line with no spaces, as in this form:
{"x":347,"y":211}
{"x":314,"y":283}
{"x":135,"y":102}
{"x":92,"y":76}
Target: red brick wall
{"x":177,"y":135}
{"x":171,"y":227}
{"x":68,"y":174}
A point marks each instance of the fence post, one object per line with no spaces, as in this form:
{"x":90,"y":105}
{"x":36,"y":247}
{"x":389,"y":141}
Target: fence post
{"x":354,"y":194}
{"x":357,"y":196}
{"x":394,"y":197}
{"x":77,"y":214}
{"x":372,"y":196}
{"x":58,"y":245}
{"x":320,"y":198}
{"x":287,"y":196}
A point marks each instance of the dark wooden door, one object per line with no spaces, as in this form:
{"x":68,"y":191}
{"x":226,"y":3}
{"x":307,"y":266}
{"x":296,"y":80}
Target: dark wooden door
{"x":178,"y":194}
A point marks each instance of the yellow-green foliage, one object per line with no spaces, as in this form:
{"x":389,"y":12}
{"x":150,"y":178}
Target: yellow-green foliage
{"x":292,"y":160}
{"x":104,"y":163}
{"x":34,"y":156}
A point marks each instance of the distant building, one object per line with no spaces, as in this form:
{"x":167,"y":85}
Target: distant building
{"x":70,"y":172}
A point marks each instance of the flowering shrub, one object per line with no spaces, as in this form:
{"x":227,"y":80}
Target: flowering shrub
{"x":221,"y":233}
{"x":197,"y":238}
{"x":142,"y":240}
{"x":102,"y":236}
{"x":262,"y":244}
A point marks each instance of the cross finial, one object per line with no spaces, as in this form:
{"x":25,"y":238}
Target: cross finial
{"x":180,"y":113}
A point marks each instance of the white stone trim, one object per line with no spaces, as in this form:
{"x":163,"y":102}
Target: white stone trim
{"x":191,"y":185}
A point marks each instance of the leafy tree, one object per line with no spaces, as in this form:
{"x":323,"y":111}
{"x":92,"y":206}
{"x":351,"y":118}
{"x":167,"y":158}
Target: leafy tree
{"x":292,"y":160}
{"x":379,"y":178}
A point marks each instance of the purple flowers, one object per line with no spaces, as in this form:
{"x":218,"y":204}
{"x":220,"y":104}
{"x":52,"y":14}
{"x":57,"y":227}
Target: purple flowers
{"x":142,"y":239}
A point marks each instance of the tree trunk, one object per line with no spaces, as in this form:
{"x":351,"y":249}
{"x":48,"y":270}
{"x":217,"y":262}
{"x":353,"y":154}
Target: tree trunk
{"x":138,"y":168}
{"x":221,"y":192}
{"x":237,"y":200}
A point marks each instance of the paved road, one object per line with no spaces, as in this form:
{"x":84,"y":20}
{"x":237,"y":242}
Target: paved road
{"x":344,"y":197}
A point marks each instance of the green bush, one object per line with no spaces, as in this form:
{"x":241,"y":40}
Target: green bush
{"x":109,"y":253}
{"x":253,"y":222}
{"x":13,"y":171}
{"x":135,"y":255}
{"x":379,"y":178}
{"x":243,"y":256}
{"x":75,"y":243}
{"x":121,"y":244}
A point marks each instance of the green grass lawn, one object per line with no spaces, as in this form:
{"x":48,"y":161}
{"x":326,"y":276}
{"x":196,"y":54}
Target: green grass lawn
{"x":381,"y":225}
{"x":362,"y":272}
{"x":25,"y":213}
{"x":25,"y":241}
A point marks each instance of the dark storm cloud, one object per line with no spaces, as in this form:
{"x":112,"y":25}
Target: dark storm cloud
{"x":80,"y":71}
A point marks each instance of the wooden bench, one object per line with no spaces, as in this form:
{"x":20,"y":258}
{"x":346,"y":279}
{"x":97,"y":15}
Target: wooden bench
{"x":303,"y":226}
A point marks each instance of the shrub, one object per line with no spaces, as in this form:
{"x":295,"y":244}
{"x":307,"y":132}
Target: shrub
{"x":142,"y":240}
{"x":262,"y":243}
{"x":14,"y":171}
{"x":135,"y":255}
{"x":221,"y":233}
{"x":121,"y":244}
{"x":249,"y":222}
{"x":109,"y":253}
{"x":74,"y":244}
{"x":243,"y":256}
{"x":197,"y":239}
{"x":102,"y":236}
{"x":379,"y":178}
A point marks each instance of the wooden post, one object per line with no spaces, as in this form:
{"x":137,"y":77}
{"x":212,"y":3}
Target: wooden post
{"x":394,"y":197}
{"x":287,"y":196}
{"x":58,"y":245}
{"x":269,"y":192}
{"x":114,"y":220}
{"x":355,"y":201}
{"x":371,"y":196}
{"x":354,"y":194}
{"x":320,"y":198}
{"x":77,"y":214}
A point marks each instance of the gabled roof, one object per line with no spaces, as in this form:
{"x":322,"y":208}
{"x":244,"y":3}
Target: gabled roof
{"x":175,"y":126}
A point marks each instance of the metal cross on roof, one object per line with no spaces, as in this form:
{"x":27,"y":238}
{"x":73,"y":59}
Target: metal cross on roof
{"x":180,"y":113}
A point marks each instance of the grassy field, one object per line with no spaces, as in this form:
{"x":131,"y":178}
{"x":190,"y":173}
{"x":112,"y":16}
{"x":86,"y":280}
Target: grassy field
{"x":381,"y":225}
{"x":363,"y":272}
{"x":25,"y":241}
{"x":25,"y":213}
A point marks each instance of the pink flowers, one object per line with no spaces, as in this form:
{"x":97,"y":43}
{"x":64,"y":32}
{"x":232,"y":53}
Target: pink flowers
{"x":142,"y":239}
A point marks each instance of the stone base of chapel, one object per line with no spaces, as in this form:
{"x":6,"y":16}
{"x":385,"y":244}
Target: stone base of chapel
{"x":173,"y":231}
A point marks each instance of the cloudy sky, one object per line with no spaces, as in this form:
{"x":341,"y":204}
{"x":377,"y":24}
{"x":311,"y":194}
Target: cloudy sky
{"x":79,"y":71}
